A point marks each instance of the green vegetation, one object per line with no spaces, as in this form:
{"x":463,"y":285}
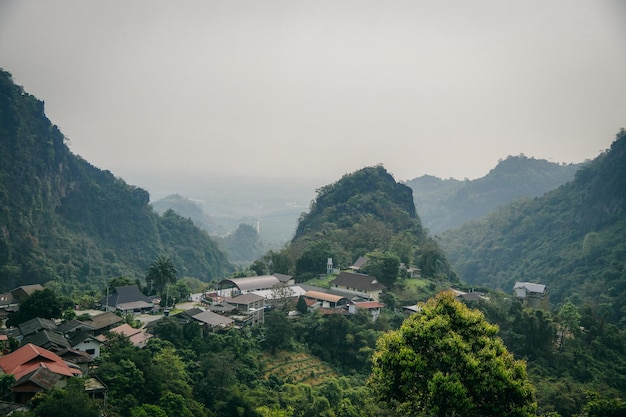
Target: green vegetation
{"x":571,"y":239}
{"x":64,"y":220}
{"x":44,"y":304}
{"x":447,"y":204}
{"x":243,"y":245}
{"x":161,"y":273}
{"x":446,"y":360}
{"x":364,"y":213}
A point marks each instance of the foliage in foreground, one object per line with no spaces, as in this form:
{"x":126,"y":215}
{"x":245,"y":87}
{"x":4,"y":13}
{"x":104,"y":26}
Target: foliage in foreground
{"x":447,"y":360}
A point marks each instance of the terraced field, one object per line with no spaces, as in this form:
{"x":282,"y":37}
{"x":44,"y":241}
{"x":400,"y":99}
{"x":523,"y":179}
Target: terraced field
{"x":296,"y":367}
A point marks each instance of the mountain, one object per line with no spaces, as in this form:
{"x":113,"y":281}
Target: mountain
{"x":65,"y":220}
{"x":572,"y":239}
{"x":242,"y":246}
{"x":189,"y":209}
{"x":447,"y":204}
{"x":364,"y":211}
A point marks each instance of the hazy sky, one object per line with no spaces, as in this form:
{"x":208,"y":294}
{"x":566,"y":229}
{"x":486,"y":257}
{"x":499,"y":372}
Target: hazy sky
{"x":316,"y":89}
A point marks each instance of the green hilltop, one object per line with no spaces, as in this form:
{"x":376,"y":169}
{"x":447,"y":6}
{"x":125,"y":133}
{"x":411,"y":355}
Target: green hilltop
{"x":65,"y":220}
{"x":364,"y":212}
{"x":571,"y":239}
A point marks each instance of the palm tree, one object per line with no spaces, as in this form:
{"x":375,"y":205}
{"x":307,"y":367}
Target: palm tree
{"x":160,"y":273}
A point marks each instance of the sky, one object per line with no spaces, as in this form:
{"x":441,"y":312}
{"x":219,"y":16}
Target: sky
{"x":313,"y":90}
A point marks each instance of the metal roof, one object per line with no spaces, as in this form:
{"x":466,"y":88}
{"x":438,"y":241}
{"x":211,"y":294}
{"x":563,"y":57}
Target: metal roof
{"x":531,"y":287}
{"x":324,"y":296}
{"x":252,"y":283}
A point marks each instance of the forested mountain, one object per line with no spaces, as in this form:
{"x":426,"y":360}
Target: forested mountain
{"x":63,"y":219}
{"x":242,"y":246}
{"x":446,"y":204}
{"x":571,"y":239}
{"x":189,"y":209}
{"x":364,"y":211}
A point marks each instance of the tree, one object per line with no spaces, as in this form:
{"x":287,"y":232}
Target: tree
{"x":282,"y":297}
{"x":278,"y":330}
{"x":43,"y":303}
{"x":71,"y":401}
{"x":120,"y":281}
{"x":568,"y":318}
{"x":160,"y":273}
{"x":301,"y":305}
{"x":448,"y":361}
{"x":384,"y":266}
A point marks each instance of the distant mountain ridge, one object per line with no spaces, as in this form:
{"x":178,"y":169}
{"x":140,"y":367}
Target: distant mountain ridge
{"x":573,"y":239}
{"x":65,"y":220}
{"x":447,"y":204}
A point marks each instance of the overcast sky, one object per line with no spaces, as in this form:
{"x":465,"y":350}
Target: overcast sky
{"x":317,"y":89}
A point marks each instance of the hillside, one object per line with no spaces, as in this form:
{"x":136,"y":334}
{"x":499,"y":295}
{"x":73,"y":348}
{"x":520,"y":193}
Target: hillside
{"x":364,"y":211}
{"x":447,"y":204}
{"x":571,"y":239}
{"x":189,"y":209}
{"x":63,"y":219}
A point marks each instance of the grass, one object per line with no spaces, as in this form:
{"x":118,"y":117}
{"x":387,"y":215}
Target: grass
{"x":321,"y":282}
{"x":415,"y":289}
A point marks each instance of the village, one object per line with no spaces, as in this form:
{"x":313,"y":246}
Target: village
{"x":41,"y":354}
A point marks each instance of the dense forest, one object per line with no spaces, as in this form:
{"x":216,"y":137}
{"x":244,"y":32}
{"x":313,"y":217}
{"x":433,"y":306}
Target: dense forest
{"x":571,"y":239}
{"x":64,"y":220}
{"x":445,"y":204}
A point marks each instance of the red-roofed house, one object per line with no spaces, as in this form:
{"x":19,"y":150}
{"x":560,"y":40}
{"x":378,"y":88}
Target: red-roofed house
{"x":35,"y":369}
{"x":373,"y":308}
{"x":138,"y":337}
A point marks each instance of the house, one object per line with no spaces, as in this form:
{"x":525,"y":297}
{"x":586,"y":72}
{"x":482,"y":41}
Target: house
{"x":250,"y":308}
{"x":35,"y":370}
{"x":7,"y":300}
{"x":47,"y":339}
{"x":36,"y":325}
{"x":127,"y":299}
{"x":278,"y":296}
{"x":85,"y":342}
{"x":373,"y":308}
{"x":469,"y":296}
{"x":325,"y":300}
{"x":533,"y":295}
{"x":285,"y":279}
{"x":20,"y":293}
{"x":81,"y":359}
{"x":412,"y":309}
{"x":103,"y":322}
{"x":73,"y":326}
{"x":213,"y":321}
{"x":222,"y":308}
{"x":361,"y":285}
{"x":358,"y":264}
{"x":138,"y":337}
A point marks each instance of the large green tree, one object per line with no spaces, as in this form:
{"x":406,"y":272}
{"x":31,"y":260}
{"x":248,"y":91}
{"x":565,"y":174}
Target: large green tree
{"x":447,"y":360}
{"x":43,"y":303}
{"x":160,"y":273}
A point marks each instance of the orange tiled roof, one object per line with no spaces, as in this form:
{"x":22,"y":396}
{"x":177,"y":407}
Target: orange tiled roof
{"x":30,"y":357}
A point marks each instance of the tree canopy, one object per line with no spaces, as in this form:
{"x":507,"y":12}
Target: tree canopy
{"x":44,"y":304}
{"x":448,"y":361}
